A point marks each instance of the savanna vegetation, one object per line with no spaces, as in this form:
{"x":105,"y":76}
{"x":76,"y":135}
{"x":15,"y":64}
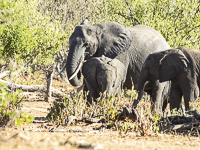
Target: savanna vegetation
{"x":34,"y":33}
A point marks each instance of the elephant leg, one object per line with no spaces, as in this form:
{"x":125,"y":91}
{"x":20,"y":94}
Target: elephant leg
{"x":190,"y":91}
{"x":86,"y":87}
{"x":92,"y":95}
{"x":166,"y":96}
{"x":165,"y":102}
{"x":132,"y":77}
{"x":164,"y":108}
{"x":128,"y":83}
{"x":153,"y":96}
{"x":175,"y":97}
{"x":190,"y":95}
{"x":148,"y":87}
{"x":157,"y":96}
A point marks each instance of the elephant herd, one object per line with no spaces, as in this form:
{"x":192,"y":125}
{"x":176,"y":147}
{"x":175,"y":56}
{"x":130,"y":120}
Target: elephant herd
{"x":111,"y":57}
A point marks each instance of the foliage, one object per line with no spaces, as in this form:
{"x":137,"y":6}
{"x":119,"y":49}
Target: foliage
{"x":27,"y":34}
{"x":177,"y":21}
{"x":36,"y":30}
{"x":10,"y":108}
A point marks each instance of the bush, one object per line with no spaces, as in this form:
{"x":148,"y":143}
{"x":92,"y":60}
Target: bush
{"x":36,"y":30}
{"x":10,"y":108}
{"x":177,"y":21}
{"x":27,"y":34}
{"x":77,"y":106}
{"x":109,"y":109}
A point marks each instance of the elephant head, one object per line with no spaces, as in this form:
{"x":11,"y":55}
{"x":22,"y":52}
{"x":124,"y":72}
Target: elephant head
{"x":103,"y":74}
{"x":110,"y":76}
{"x":162,"y":66}
{"x":88,"y":41}
{"x":83,"y":39}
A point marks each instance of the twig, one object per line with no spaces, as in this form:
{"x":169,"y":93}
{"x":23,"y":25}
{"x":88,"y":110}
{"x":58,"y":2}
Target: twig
{"x":83,"y":119}
{"x":3,"y":74}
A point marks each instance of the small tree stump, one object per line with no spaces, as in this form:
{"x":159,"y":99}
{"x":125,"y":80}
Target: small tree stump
{"x":49,"y":77}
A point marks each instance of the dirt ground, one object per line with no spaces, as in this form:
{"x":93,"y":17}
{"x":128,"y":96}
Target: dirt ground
{"x":42,"y":135}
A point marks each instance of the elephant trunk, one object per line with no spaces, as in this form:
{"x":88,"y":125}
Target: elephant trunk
{"x":141,"y":85}
{"x":74,"y":61}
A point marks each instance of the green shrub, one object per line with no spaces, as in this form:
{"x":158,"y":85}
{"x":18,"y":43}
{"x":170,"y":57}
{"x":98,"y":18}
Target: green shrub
{"x":10,"y":108}
{"x":36,"y":30}
{"x":177,"y":20}
{"x":27,"y":34}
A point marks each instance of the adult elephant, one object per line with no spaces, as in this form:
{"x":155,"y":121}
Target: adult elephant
{"x":111,"y":39}
{"x":103,"y":74}
{"x":181,"y":67}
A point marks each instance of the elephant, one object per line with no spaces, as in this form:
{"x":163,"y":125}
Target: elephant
{"x":181,"y":67}
{"x":103,"y":74}
{"x":111,"y":39}
{"x":159,"y":94}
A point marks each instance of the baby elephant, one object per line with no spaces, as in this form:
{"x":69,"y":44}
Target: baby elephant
{"x":103,"y":74}
{"x":181,"y":67}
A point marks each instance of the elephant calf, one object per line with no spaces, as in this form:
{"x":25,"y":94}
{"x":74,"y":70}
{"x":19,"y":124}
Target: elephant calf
{"x":159,"y":94}
{"x":180,"y":66}
{"x":103,"y":74}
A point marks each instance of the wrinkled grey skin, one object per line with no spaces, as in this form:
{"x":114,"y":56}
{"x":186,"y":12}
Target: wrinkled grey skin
{"x":111,"y":39}
{"x":103,"y":74}
{"x":159,"y":92}
{"x":181,"y":66}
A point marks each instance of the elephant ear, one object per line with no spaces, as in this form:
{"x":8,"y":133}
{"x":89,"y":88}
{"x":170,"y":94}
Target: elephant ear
{"x":172,"y":64}
{"x":115,"y":38}
{"x":121,"y":71}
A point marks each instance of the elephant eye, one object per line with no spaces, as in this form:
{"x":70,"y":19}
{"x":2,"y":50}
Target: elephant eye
{"x":89,"y":31}
{"x":86,"y":44}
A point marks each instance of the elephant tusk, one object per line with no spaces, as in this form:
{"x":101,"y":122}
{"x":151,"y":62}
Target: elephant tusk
{"x":61,"y":69}
{"x":77,"y":70}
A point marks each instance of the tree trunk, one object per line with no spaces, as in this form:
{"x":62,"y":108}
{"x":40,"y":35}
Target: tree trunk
{"x":49,"y":77}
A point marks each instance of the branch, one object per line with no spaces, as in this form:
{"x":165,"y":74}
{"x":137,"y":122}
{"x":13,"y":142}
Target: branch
{"x":184,"y":126}
{"x":3,"y":74}
{"x":32,"y":88}
{"x":83,"y":119}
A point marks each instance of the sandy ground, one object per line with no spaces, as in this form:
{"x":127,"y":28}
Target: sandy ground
{"x":45,"y":136}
